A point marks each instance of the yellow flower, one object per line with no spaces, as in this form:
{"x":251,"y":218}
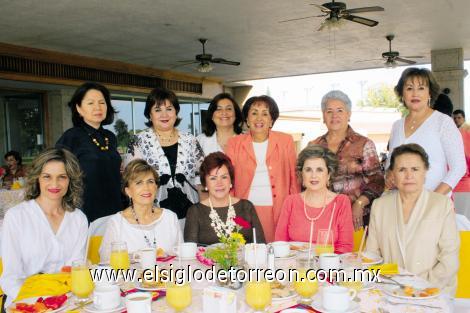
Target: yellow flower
{"x":238,"y":237}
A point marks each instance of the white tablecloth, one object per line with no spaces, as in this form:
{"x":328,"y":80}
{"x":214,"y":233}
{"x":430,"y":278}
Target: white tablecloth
{"x":9,"y":198}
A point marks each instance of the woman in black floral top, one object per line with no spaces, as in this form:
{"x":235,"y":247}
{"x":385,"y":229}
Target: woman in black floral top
{"x":175,"y":155}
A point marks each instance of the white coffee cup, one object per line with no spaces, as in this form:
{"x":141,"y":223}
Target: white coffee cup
{"x":186,"y":250}
{"x":106,"y":297}
{"x":329,"y":261}
{"x":281,"y":249}
{"x":337,"y":298}
{"x":139,"y":302}
{"x":147,"y":258}
{"x":106,"y":275}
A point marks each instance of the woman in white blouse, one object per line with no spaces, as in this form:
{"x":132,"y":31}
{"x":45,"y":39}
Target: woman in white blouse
{"x":434,"y":131}
{"x":141,"y":225}
{"x":46,"y":231}
{"x":224,"y":120}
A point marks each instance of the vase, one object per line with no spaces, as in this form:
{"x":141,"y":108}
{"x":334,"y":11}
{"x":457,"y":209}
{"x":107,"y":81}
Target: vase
{"x":230,"y":283}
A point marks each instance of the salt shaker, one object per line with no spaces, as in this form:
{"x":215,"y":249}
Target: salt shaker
{"x":271,"y":258}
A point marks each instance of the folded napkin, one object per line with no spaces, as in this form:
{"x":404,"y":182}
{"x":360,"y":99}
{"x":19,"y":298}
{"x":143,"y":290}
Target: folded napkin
{"x":155,"y":294}
{"x":386,"y":268}
{"x":45,"y":285}
{"x":166,"y":258}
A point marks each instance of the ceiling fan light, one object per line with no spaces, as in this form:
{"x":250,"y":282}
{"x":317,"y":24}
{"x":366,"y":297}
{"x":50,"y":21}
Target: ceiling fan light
{"x":204,"y":67}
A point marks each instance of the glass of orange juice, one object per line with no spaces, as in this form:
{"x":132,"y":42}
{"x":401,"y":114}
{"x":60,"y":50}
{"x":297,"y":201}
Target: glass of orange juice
{"x":305,"y":283}
{"x":258,"y":295}
{"x":179,"y":296}
{"x":325,"y":242}
{"x":119,"y":256}
{"x":82,"y":284}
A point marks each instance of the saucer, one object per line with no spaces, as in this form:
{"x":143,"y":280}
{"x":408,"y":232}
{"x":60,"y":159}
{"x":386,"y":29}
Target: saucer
{"x":317,"y":305}
{"x":291,"y":255}
{"x":92,"y":309}
{"x":191,"y":258}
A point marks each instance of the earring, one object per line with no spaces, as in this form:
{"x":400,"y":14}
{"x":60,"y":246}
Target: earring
{"x":231,"y":186}
{"x":205,"y":188}
{"x":130,"y":202}
{"x":429,"y":102}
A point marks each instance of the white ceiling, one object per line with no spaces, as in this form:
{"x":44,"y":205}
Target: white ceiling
{"x":159,"y":33}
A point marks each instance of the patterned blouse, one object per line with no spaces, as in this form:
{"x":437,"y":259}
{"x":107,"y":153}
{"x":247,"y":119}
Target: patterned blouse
{"x":359,"y":171}
{"x":145,"y":145}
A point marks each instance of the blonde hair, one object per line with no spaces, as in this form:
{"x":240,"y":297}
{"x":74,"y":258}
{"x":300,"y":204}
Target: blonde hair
{"x":73,"y":197}
{"x":135,"y":168}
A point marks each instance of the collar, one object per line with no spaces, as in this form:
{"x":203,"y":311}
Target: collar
{"x":350,"y":135}
{"x":91,"y":130}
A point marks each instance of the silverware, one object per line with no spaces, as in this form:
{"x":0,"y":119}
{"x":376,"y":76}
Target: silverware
{"x":81,"y":305}
{"x":413,"y":304}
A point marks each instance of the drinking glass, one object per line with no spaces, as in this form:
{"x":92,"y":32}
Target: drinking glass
{"x":325,"y":242}
{"x":305,"y":284}
{"x":82,"y":284}
{"x":178,"y":296}
{"x":119,"y":256}
{"x":258,"y":295}
{"x":351,"y":281}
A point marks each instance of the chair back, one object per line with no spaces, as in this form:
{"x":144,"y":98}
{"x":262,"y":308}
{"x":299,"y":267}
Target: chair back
{"x":463,"y":275}
{"x":95,"y":234}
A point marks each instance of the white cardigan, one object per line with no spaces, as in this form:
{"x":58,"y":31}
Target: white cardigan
{"x":209,"y":144}
{"x":443,"y":143}
{"x":29,"y":246}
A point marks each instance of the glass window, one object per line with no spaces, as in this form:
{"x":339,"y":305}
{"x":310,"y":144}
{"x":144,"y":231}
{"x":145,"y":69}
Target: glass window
{"x":122,"y":124}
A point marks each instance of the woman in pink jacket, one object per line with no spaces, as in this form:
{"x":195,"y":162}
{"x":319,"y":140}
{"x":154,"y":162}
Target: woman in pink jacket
{"x":317,"y":208}
{"x":264,"y":162}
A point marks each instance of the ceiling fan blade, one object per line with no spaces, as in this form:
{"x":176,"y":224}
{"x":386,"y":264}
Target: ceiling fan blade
{"x":369,"y":60}
{"x":223,"y":61}
{"x":365,"y":9}
{"x":361,"y":20}
{"x":322,"y":8}
{"x":183,"y":64}
{"x":413,"y":56}
{"x":300,"y":18}
{"x":405,"y":60}
{"x":187,"y":61}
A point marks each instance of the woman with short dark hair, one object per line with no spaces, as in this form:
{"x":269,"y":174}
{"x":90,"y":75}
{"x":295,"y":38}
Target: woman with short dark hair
{"x":46,"y":231}
{"x":95,"y":149}
{"x":14,"y":169}
{"x":414,"y":227}
{"x":434,"y":131}
{"x":223,"y":121}
{"x":213,"y":217}
{"x":175,"y":156}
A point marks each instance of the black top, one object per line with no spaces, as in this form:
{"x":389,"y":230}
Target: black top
{"x":171,"y":153}
{"x":101,"y":169}
{"x":198,"y":223}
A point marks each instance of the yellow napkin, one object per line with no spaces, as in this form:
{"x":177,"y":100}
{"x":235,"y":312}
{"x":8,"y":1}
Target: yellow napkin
{"x":386,"y":268}
{"x":45,"y":285}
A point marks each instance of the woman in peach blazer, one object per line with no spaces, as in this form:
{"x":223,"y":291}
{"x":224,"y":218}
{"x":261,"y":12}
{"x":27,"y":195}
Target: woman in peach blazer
{"x":264,"y":162}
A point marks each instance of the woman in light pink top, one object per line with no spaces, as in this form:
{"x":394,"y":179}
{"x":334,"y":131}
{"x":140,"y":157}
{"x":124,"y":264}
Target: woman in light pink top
{"x":316,"y":208}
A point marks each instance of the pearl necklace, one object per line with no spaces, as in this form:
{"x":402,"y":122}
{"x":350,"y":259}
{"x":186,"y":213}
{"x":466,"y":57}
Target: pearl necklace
{"x":140,"y":226}
{"x":221,"y":228}
{"x":165,"y":140}
{"x":314,"y":219}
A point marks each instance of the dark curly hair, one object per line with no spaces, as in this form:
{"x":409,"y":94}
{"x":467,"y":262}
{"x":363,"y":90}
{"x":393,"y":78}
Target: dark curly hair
{"x":209,"y":125}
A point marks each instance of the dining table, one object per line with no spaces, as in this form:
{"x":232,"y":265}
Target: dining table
{"x":372,"y":299}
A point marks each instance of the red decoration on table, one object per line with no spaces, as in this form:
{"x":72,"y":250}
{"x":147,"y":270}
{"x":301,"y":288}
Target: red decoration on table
{"x":301,"y":306}
{"x":155,"y":294}
{"x":166,"y":258}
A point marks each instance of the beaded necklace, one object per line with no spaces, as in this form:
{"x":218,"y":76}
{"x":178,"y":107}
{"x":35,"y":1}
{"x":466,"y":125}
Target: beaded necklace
{"x":221,"y":228}
{"x":97,"y":143}
{"x":316,"y":218}
{"x":140,"y":226}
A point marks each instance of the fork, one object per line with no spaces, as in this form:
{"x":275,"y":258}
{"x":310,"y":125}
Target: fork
{"x":413,"y":304}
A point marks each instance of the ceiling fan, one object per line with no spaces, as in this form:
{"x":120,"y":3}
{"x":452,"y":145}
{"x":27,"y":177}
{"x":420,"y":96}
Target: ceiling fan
{"x":336,"y":11}
{"x":205,"y":60}
{"x":392,"y":57}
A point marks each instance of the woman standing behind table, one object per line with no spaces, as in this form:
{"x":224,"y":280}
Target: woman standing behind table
{"x":14,"y":169}
{"x":359,"y":174}
{"x":317,"y":207}
{"x":213,"y":217}
{"x":141,"y":225}
{"x":224,"y":120}
{"x":414,"y":227}
{"x":175,"y":156}
{"x":434,"y":131}
{"x":46,"y":231}
{"x":264,"y":162}
{"x":95,"y":149}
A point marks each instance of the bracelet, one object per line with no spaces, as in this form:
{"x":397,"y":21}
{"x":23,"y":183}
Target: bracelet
{"x":361,"y":203}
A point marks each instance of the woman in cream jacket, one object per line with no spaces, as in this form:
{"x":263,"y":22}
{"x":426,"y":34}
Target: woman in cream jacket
{"x":414,"y":227}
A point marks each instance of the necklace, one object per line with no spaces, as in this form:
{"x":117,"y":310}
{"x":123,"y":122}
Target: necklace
{"x":314,"y":219}
{"x":140,"y":226}
{"x":97,"y":143}
{"x":166,"y":140}
{"x":221,"y":228}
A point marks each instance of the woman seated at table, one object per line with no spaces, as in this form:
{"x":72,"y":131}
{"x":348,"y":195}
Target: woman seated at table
{"x":317,"y":208}
{"x":14,"y":169}
{"x":415,"y":227}
{"x":213,"y":217}
{"x":46,"y":231}
{"x":141,"y":225}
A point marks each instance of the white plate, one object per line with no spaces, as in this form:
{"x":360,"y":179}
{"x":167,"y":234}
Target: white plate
{"x":140,"y":287}
{"x":292,"y":295}
{"x":291,"y":255}
{"x":376,"y":258}
{"x":317,"y":305}
{"x":191,"y":258}
{"x":34,"y":299}
{"x":389,"y":291}
{"x":300,"y":244}
{"x":294,"y":311}
{"x":92,"y":309}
